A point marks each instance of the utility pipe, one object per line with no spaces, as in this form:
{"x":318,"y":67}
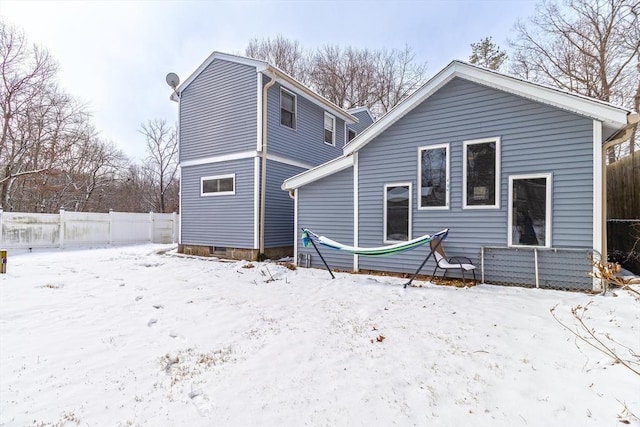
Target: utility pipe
{"x":263,"y":172}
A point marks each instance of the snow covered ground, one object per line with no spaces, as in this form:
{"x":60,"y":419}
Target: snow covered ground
{"x":131,"y":336}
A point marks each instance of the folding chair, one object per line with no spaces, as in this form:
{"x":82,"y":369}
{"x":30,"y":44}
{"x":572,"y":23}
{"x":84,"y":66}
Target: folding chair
{"x":457,"y":262}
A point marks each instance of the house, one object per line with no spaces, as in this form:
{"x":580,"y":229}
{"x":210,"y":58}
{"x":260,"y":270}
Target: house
{"x":513,"y":168}
{"x":245,"y":126}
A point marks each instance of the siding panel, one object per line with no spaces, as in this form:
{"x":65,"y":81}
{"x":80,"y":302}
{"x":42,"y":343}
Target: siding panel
{"x":327,"y":209}
{"x":305,"y":143}
{"x":225,"y":220}
{"x":218,"y":111}
{"x":279,"y":206}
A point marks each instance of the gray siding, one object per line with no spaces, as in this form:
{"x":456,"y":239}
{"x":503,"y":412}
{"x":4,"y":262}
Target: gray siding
{"x":326,"y":208}
{"x":218,"y":111}
{"x":535,"y":139}
{"x":364,"y":121}
{"x":305,"y":143}
{"x":224,"y":220}
{"x":279,"y":206}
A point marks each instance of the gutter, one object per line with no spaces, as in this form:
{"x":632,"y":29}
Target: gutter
{"x":263,"y":171}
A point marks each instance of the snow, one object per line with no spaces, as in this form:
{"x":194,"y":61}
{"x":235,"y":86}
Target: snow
{"x":140,"y":336}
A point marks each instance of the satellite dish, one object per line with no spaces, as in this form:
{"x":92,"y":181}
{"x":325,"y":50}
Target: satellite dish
{"x":173,"y":80}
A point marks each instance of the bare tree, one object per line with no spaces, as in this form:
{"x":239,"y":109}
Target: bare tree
{"x":591,"y":47}
{"x":349,"y":77}
{"x":283,"y":53}
{"x":25,"y":73}
{"x":161,"y":162}
{"x":345,"y":77}
{"x":398,"y":75}
{"x":487,"y":54}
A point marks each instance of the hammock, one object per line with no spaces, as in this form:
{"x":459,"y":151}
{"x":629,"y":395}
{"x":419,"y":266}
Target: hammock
{"x":311,"y":237}
{"x":308,"y":235}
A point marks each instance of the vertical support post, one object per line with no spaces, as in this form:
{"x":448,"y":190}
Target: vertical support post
{"x":151,"y":226}
{"x":174,"y":227}
{"x":110,"y":227}
{"x":482,"y":263}
{"x":61,"y":227}
{"x":535,"y":260}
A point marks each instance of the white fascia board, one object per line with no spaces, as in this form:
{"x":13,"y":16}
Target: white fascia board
{"x":259,"y":66}
{"x":326,"y":169}
{"x":579,"y":104}
{"x":582,"y":105}
{"x":298,"y":88}
{"x":400,"y":110}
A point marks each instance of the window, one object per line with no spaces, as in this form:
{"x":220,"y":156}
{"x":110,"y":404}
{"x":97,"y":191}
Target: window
{"x":329,"y":129}
{"x":530,"y":210}
{"x":433,"y":177}
{"x":352,"y":134}
{"x":481,"y":173}
{"x":287,"y":109}
{"x":397,"y":212}
{"x":218,"y":185}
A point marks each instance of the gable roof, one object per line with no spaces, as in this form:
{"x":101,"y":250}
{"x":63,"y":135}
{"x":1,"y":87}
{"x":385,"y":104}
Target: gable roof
{"x":362,"y":109}
{"x":613,"y":118}
{"x":272,"y":72}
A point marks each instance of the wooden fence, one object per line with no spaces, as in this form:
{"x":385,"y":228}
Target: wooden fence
{"x":73,"y":229}
{"x":623,"y":188}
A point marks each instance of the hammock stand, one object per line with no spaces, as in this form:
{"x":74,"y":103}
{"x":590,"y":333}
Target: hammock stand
{"x":310,"y":237}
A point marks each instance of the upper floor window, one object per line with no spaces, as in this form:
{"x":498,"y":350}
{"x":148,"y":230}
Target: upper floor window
{"x":287,"y":109}
{"x":218,"y":185}
{"x":329,"y":129}
{"x":433,"y":177}
{"x":481,"y":173}
{"x":352,"y":134}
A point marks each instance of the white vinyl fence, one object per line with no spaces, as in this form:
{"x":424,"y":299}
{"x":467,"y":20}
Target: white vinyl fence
{"x":73,"y":229}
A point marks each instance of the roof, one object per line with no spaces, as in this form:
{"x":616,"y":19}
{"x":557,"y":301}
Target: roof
{"x":360,"y":109}
{"x":613,"y":118}
{"x":270,"y":71}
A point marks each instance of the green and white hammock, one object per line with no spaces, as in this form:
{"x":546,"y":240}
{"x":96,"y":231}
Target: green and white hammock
{"x":309,"y":237}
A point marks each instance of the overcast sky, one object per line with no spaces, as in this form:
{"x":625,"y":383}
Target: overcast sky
{"x":114,"y":55}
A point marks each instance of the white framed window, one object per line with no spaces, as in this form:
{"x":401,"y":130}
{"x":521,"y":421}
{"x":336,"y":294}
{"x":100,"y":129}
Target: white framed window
{"x":397,"y":212}
{"x":218,"y":185}
{"x":351,"y":134}
{"x":481,"y":174}
{"x":288,"y":105}
{"x":433,"y":177}
{"x":529,"y":221}
{"x":329,"y":129}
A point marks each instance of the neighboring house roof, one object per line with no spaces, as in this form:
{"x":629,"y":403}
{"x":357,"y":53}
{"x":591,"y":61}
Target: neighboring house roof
{"x":270,"y":71}
{"x":359,"y":109}
{"x":614,"y":118}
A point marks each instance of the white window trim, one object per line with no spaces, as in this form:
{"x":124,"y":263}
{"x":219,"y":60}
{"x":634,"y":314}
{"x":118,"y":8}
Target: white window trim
{"x":220,"y":193}
{"x":548,"y":211}
{"x":384,"y":209}
{"x":355,"y":133}
{"x":295,"y":109}
{"x":465,"y":144}
{"x":333,"y":132}
{"x":448,"y":171}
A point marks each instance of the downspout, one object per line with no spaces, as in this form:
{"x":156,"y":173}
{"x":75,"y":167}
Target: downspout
{"x":263,"y":172}
{"x":623,"y":135}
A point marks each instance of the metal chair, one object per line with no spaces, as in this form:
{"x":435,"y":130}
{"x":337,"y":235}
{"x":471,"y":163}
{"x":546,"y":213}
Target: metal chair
{"x":457,"y":262}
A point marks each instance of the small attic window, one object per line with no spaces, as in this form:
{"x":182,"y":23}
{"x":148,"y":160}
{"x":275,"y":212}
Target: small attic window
{"x":352,"y":134}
